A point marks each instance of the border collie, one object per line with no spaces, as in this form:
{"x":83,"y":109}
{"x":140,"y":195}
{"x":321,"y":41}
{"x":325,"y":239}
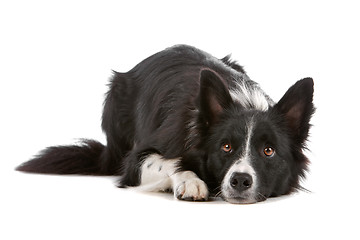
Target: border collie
{"x":185,"y":121}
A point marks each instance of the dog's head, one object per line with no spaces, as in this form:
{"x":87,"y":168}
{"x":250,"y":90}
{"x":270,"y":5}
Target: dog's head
{"x":254,"y":154}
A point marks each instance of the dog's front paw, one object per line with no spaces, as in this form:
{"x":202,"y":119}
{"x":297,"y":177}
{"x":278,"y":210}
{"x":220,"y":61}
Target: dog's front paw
{"x":189,"y":187}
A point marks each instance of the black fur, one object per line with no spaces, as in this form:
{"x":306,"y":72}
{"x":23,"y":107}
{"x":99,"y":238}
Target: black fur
{"x":177,"y":103}
{"x":74,"y":159}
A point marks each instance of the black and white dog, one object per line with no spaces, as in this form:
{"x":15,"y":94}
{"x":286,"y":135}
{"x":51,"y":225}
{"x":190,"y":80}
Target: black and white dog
{"x":185,"y":121}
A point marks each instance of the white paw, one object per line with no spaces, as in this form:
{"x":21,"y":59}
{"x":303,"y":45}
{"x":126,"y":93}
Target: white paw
{"x":187,"y":186}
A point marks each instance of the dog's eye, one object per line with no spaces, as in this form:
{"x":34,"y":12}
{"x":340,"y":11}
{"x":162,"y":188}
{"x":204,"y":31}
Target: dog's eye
{"x":226,"y":148}
{"x":269,"y":151}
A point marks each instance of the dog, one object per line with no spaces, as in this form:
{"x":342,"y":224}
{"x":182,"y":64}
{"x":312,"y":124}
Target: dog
{"x":185,"y":121}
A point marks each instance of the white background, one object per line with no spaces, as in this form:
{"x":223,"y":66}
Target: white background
{"x":56,"y":58}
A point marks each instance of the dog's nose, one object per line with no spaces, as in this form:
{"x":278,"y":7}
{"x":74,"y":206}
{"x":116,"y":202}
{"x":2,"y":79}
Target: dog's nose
{"x":241,"y":181}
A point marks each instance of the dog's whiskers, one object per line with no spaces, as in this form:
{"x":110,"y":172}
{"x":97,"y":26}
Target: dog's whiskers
{"x":261,"y":195}
{"x":219,"y":194}
{"x":217,"y":188}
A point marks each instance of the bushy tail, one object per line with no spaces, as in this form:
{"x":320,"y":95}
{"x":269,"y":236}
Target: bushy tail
{"x":84,"y":159}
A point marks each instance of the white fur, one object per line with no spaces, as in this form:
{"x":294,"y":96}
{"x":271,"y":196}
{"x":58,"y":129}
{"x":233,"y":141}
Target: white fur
{"x":159,"y":174}
{"x":242,"y":165}
{"x":156,"y":172}
{"x":187,"y":185}
{"x":249,"y":97}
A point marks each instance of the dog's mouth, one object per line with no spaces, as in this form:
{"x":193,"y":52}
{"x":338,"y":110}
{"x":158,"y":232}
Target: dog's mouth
{"x":240,"y":200}
{"x":247,"y":199}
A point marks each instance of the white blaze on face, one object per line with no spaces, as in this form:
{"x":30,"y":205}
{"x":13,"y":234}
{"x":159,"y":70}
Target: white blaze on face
{"x":242,"y":165}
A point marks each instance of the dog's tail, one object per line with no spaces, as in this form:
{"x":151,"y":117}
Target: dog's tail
{"x":84,"y":158}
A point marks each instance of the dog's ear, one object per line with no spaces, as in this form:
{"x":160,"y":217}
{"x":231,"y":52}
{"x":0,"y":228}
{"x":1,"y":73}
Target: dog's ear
{"x":297,"y":108}
{"x":214,"y":96}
